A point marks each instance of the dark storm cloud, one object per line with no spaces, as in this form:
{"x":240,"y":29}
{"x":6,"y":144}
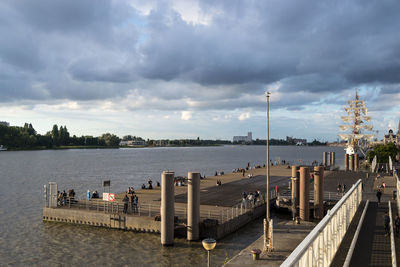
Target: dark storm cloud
{"x":85,"y":50}
{"x":344,"y":44}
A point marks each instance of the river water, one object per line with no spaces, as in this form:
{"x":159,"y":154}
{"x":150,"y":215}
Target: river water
{"x":26,"y":240}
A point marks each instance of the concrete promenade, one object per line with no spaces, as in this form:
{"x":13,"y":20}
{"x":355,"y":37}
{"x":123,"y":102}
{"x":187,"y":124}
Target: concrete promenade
{"x":287,"y":235}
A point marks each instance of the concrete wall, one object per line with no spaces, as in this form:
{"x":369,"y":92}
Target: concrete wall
{"x":95,"y":218}
{"x":221,"y":230}
{"x":144,"y":224}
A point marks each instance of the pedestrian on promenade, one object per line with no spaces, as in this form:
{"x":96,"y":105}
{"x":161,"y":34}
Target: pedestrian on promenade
{"x":88,"y":195}
{"x":339,"y":188}
{"x":344,"y":188}
{"x":126,"y":201}
{"x":386,"y":221}
{"x":135,"y":204}
{"x":378,"y":196}
{"x":397,"y":224}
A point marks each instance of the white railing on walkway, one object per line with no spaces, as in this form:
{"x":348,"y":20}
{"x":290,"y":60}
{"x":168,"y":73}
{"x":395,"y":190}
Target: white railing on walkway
{"x":320,"y":245}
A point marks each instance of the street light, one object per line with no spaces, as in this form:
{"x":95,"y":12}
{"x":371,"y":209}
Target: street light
{"x":209,"y":244}
{"x":267,"y":219}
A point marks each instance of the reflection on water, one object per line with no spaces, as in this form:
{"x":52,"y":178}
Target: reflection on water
{"x":26,"y":240}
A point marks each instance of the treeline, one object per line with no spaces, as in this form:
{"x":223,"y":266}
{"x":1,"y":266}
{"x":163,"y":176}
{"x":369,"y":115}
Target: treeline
{"x":26,"y":137}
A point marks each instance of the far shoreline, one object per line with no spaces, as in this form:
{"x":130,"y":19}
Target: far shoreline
{"x":138,"y":147}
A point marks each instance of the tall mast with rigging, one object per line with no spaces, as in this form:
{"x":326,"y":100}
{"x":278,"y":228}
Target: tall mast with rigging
{"x":355,"y":124}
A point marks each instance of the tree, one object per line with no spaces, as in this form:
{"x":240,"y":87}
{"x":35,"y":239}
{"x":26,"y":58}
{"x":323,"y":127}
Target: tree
{"x":110,"y":139}
{"x":382,"y":152}
{"x":55,"y":135}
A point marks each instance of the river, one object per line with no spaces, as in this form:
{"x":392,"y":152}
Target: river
{"x":26,"y":240}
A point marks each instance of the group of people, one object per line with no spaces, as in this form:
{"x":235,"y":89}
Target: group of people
{"x":396,"y":224}
{"x":251,"y":197}
{"x":341,"y":188}
{"x":131,"y":190}
{"x":150,"y":184}
{"x":62,"y":197}
{"x":95,"y":194}
{"x":134,"y":200}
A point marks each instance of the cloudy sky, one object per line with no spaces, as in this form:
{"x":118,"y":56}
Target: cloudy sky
{"x":183,"y":69}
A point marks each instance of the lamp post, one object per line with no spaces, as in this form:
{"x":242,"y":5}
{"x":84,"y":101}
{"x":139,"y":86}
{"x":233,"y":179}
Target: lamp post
{"x":209,"y":244}
{"x":267,"y":219}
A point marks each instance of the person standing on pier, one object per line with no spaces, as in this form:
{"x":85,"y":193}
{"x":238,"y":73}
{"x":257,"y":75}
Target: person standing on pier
{"x":378,"y":196}
{"x":126,"y":201}
{"x":386,"y":221}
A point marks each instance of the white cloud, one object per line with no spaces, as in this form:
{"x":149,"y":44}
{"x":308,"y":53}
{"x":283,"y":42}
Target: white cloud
{"x":244,"y":116}
{"x":186,"y":115}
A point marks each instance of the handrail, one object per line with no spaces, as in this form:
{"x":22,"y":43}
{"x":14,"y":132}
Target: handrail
{"x":345,"y":217}
{"x":146,"y":209}
{"x":355,"y":237}
{"x":392,"y":246}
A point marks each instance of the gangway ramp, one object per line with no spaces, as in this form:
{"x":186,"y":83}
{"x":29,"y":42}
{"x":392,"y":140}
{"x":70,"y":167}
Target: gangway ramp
{"x":373,"y":246}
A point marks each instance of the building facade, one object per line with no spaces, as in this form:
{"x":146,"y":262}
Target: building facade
{"x":244,"y":139}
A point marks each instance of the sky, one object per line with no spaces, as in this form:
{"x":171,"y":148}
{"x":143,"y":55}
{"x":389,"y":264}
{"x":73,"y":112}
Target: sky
{"x":188,"y":69}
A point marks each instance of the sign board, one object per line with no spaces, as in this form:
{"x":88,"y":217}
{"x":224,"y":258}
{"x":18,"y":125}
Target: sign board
{"x":109,"y":197}
{"x":106,"y":183}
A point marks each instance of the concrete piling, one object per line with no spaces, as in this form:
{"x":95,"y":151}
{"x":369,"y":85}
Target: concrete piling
{"x":167,"y":208}
{"x":318,"y":192}
{"x":332,"y":158}
{"x":356,"y":162}
{"x":304,"y":193}
{"x":351,"y":162}
{"x":346,"y":162}
{"x":295,"y":185}
{"x":193,"y":206}
{"x":325,"y":159}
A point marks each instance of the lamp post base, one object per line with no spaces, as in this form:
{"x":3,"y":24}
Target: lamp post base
{"x":268,"y":235}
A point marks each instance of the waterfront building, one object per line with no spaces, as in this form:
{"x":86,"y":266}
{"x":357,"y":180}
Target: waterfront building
{"x":296,"y":141}
{"x":132,"y":143}
{"x":4,"y":123}
{"x":244,"y":139}
{"x":392,"y":138}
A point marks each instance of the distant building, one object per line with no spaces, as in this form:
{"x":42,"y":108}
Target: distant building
{"x":4,"y":123}
{"x":132,"y":143}
{"x":296,"y":141}
{"x":392,"y":138}
{"x":244,"y":139}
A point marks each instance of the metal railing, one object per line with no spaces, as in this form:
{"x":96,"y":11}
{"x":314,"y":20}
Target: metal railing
{"x":221,"y":214}
{"x":321,"y":244}
{"x":328,"y":196}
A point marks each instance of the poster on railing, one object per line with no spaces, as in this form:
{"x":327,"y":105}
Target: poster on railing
{"x":109,"y":197}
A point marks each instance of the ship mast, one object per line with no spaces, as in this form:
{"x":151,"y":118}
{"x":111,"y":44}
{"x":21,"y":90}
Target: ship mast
{"x":357,"y":115}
